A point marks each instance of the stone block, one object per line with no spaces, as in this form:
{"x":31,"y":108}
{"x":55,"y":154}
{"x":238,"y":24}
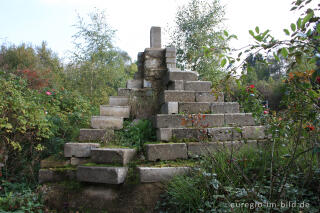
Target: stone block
{"x":170,"y":60}
{"x":154,"y":174}
{"x":208,"y":97}
{"x":96,"y":134}
{"x":134,"y":84}
{"x":253,"y":132}
{"x":80,"y":150}
{"x":147,"y":84}
{"x":225,"y":107}
{"x":197,"y":86}
{"x":100,"y":174}
{"x":155,"y":37}
{"x":169,"y":66}
{"x":164,"y":134}
{"x":169,"y":151}
{"x":52,"y":163}
{"x":112,"y":155}
{"x":224,"y":134}
{"x":106,"y":122}
{"x":124,"y":92}
{"x":178,"y":96}
{"x":118,"y":101}
{"x":194,"y":107}
{"x":116,"y":111}
{"x":239,"y":119}
{"x":202,"y":148}
{"x":181,"y":75}
{"x":56,"y":175}
{"x":171,"y":54}
{"x":170,"y":108}
{"x":171,"y":49}
{"x":138,"y":75}
{"x":154,"y":74}
{"x":78,"y":161}
{"x":176,"y":85}
{"x":189,"y":133}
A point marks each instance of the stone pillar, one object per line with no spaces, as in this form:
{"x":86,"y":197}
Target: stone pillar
{"x":171,"y":57}
{"x":155,"y":37}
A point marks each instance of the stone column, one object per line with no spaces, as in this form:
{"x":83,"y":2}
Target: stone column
{"x":155,"y":37}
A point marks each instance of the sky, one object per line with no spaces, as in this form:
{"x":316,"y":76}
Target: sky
{"x":34,"y":21}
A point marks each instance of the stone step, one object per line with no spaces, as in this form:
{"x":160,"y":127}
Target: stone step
{"x":175,"y":74}
{"x":208,"y":107}
{"x":80,"y":150}
{"x":160,"y":174}
{"x":134,"y":84}
{"x":197,"y":85}
{"x":165,"y":151}
{"x":101,"y":174}
{"x":112,"y":155}
{"x":95,"y":134}
{"x":204,"y":120}
{"x":118,"y":101}
{"x":106,"y":122}
{"x":116,"y":111}
{"x":212,"y":134}
{"x":144,"y":92}
{"x":190,"y":96}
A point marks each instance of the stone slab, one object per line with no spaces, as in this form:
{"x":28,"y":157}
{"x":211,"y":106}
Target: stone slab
{"x":205,"y":148}
{"x":181,"y":75}
{"x":52,"y":163}
{"x":194,"y":107}
{"x":176,"y":85}
{"x":116,"y":111}
{"x":209,"y":97}
{"x":56,"y":175}
{"x":154,"y":174}
{"x":155,"y":37}
{"x":224,"y":134}
{"x":253,"y":132}
{"x":96,"y":134}
{"x":134,"y":84}
{"x":189,"y":133}
{"x":170,"y":151}
{"x":99,"y":174}
{"x":124,"y":92}
{"x":197,"y":86}
{"x":78,"y":161}
{"x":239,"y":119}
{"x":106,"y":122}
{"x":164,"y":134}
{"x":171,"y":60}
{"x":224,"y":107}
{"x":118,"y":101}
{"x":112,"y":155}
{"x":80,"y":150}
{"x":170,"y":108}
{"x":178,"y":96}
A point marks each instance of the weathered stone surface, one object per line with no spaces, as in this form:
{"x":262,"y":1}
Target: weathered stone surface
{"x":112,"y":155}
{"x":98,"y":193}
{"x":171,"y":60}
{"x":170,"y":66}
{"x":138,"y":75}
{"x":147,"y":84}
{"x":56,"y":175}
{"x":171,"y":49}
{"x":178,"y":120}
{"x":181,"y":75}
{"x":80,"y":150}
{"x":224,"y":107}
{"x":208,"y":97}
{"x":96,"y":134}
{"x":253,"y":132}
{"x":145,"y":92}
{"x":197,"y":85}
{"x":176,"y":85}
{"x":154,"y":174}
{"x":169,"y":151}
{"x":223,"y":134}
{"x":205,"y":148}
{"x":78,"y":161}
{"x":134,"y":84}
{"x":194,"y":107}
{"x":99,"y":174}
{"x":155,"y":37}
{"x":116,"y":111}
{"x":189,"y":133}
{"x":118,"y":101}
{"x":164,"y":134}
{"x":178,"y":96}
{"x":124,"y":92}
{"x":105,"y":122}
{"x":239,"y":119}
{"x":53,"y":163}
{"x":170,"y":108}
{"x":154,"y":73}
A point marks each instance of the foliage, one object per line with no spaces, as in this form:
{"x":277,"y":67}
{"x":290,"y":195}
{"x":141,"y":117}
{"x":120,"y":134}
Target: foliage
{"x":198,"y":25}
{"x":135,"y":134}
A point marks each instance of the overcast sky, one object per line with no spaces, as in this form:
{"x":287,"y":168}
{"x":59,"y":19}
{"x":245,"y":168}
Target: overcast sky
{"x":34,"y":21}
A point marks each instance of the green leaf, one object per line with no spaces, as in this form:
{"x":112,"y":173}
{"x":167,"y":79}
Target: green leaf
{"x":276,"y":57}
{"x":299,"y":22}
{"x":223,"y":62}
{"x":225,"y":33}
{"x":318,"y":27}
{"x":284,"y":52}
{"x":257,"y":29}
{"x":251,"y":33}
{"x":293,"y":27}
{"x":307,"y":18}
{"x":286,"y":31}
{"x":265,"y":33}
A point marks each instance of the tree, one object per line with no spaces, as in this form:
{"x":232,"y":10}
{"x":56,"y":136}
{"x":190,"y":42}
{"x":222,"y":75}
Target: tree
{"x":198,"y":25}
{"x":97,"y":67}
